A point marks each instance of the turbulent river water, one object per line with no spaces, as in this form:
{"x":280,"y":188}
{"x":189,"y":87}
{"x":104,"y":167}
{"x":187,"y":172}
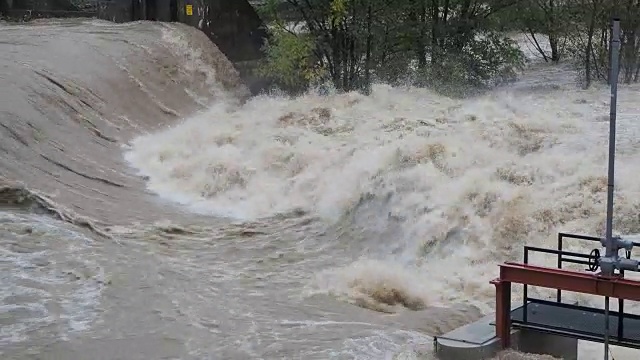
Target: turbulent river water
{"x":152,"y":210}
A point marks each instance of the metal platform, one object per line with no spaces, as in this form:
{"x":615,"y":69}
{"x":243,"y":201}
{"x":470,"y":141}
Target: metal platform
{"x":558,"y":318}
{"x":579,"y":322}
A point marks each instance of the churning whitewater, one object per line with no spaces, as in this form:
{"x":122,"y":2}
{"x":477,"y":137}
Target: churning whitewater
{"x":152,"y":210}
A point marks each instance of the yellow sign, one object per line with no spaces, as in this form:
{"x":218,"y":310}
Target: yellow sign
{"x":189,"y":10}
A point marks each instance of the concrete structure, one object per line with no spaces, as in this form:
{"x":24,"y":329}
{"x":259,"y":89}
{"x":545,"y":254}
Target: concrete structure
{"x":536,"y":342}
{"x":478,"y":341}
{"x":236,"y":29}
{"x":474,"y":341}
{"x":233,"y":25}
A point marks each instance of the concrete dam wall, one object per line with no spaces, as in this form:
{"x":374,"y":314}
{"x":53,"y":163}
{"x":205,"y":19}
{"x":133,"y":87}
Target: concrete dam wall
{"x":233,"y":25}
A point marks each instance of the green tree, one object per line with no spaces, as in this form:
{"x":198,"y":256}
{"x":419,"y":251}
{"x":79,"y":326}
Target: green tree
{"x":442,"y":43}
{"x":289,"y":62}
{"x":547,"y":17}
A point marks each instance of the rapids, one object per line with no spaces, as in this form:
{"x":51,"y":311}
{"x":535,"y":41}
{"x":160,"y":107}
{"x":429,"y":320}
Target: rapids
{"x":152,"y":210}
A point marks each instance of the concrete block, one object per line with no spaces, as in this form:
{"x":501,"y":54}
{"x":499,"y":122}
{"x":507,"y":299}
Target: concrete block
{"x":478,"y":341}
{"x":474,"y":341}
{"x":530,"y":341}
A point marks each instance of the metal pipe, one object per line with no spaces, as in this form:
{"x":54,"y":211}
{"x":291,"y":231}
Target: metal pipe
{"x":606,"y":328}
{"x":620,"y":319}
{"x":562,"y":253}
{"x":621,"y":305}
{"x":560,"y":247}
{"x":611,"y":249}
{"x":525,"y":292}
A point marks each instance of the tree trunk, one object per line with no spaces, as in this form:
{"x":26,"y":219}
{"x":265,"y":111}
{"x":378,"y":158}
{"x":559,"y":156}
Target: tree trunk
{"x":367,"y":61}
{"x":589,"y":48}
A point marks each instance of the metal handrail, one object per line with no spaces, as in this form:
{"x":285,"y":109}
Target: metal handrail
{"x":571,"y":257}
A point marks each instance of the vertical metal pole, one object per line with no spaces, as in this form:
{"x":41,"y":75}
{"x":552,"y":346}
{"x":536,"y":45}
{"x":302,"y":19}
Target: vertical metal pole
{"x":606,"y":328}
{"x":620,"y":319}
{"x":611,"y":250}
{"x":525,"y":293}
{"x":503,"y":312}
{"x":615,"y":51}
{"x":560,"y":246}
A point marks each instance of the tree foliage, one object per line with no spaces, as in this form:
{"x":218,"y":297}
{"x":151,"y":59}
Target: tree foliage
{"x":289,"y":60}
{"x":579,"y":31}
{"x":452,"y":45}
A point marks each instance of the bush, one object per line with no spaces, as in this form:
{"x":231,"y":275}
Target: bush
{"x":289,"y":62}
{"x":490,"y":60}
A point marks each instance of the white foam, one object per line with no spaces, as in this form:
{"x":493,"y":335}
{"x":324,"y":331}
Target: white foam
{"x":43,"y":289}
{"x":439,"y":190}
{"x":469,"y":182}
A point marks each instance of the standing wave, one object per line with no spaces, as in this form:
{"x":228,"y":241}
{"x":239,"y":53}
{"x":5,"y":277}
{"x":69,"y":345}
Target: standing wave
{"x":427,"y":193}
